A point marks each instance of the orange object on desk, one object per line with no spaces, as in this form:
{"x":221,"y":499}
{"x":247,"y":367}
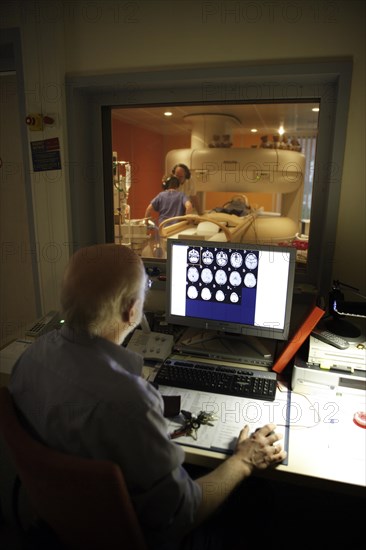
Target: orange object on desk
{"x":298,"y":339}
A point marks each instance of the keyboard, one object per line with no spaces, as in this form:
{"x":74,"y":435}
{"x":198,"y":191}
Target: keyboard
{"x":221,"y":379}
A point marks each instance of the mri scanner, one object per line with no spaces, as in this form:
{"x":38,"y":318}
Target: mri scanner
{"x":216,"y":166}
{"x":239,"y":170}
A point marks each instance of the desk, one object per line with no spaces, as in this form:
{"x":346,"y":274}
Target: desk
{"x":326,"y":449}
{"x":325,"y":454}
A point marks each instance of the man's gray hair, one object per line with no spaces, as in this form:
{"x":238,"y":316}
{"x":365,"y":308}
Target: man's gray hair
{"x":100,"y":285}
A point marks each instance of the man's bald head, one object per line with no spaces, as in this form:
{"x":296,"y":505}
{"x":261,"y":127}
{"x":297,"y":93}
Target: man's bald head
{"x":101,"y":284}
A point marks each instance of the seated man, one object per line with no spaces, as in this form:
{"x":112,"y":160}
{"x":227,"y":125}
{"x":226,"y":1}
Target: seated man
{"x":81,"y":392}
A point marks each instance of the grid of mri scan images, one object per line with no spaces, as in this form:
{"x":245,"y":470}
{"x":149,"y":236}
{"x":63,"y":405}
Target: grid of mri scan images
{"x":219,"y":275}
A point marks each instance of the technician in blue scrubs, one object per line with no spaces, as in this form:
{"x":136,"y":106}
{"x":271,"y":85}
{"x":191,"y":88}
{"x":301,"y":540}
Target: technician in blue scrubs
{"x":92,"y":401}
{"x":169,"y":203}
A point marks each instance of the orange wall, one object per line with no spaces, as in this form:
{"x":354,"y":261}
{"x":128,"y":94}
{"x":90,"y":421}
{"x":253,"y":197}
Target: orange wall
{"x":144,"y":150}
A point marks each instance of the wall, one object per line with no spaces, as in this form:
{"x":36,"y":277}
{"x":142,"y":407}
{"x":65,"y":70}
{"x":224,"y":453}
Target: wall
{"x":131,"y":144}
{"x":81,"y":38}
{"x":42,"y":51}
{"x":17,"y":297}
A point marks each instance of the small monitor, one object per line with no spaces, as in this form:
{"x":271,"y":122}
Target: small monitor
{"x":233,"y":288}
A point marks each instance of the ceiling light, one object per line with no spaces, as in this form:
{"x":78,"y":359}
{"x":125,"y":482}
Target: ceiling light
{"x":254,"y":130}
{"x":315,"y":109}
{"x":168,"y":113}
{"x":281,"y":130}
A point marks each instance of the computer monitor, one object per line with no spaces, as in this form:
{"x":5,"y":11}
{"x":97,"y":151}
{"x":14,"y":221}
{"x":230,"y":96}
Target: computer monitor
{"x":233,"y":288}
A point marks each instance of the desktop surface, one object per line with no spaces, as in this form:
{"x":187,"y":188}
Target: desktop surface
{"x":318,"y":430}
{"x":228,"y":415}
{"x":317,"y":427}
{"x":321,"y":428}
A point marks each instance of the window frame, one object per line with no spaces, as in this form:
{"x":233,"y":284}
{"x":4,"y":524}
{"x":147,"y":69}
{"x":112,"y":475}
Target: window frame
{"x":90,"y":99}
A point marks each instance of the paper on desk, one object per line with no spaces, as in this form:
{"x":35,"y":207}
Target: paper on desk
{"x":344,"y":435}
{"x":332,"y":412}
{"x":232,"y":414}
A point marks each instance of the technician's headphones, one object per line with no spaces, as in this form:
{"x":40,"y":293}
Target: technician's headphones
{"x":187,"y":172}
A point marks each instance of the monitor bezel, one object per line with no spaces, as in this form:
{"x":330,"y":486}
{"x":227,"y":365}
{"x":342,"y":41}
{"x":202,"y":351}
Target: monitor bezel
{"x":268,"y":332}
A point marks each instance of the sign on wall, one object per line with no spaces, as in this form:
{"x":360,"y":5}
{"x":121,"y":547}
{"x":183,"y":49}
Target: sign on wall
{"x":46,"y":155}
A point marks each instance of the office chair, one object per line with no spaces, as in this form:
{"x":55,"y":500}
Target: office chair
{"x":83,"y":502}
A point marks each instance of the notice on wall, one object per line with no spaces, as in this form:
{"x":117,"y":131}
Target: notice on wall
{"x":46,"y":155}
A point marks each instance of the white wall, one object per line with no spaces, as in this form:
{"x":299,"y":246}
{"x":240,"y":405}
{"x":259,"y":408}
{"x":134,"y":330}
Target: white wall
{"x":42,"y":43}
{"x":82,"y":37}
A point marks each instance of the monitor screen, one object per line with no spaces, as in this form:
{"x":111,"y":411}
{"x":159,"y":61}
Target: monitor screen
{"x":230,"y":287}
